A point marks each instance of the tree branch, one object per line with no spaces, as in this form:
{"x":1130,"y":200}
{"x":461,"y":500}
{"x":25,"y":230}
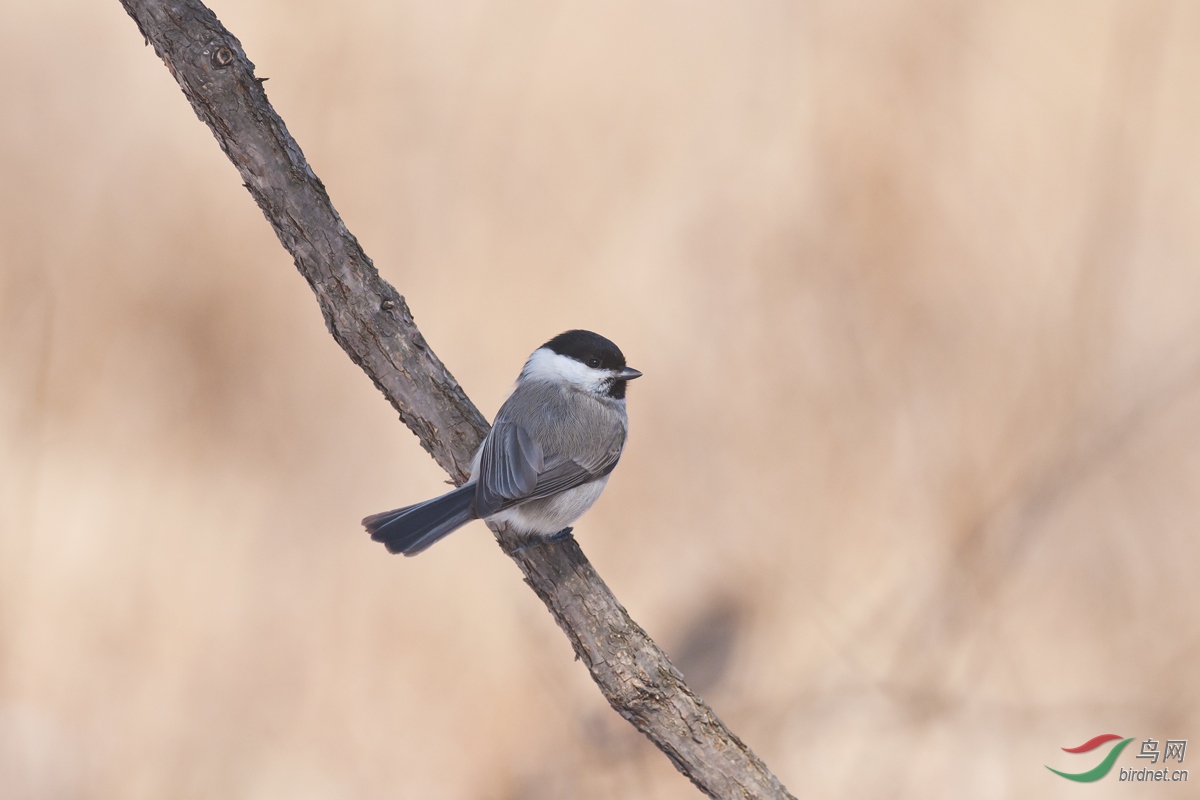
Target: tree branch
{"x":372,"y":323}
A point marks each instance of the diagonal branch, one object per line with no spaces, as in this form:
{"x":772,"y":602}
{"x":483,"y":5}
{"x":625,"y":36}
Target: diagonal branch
{"x":372,"y":323}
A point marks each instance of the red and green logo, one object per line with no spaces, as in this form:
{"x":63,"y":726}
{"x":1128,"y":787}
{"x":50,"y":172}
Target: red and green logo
{"x":1100,"y":770}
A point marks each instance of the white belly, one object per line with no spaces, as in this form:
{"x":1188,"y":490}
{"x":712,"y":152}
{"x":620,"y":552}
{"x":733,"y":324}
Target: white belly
{"x":550,"y":515}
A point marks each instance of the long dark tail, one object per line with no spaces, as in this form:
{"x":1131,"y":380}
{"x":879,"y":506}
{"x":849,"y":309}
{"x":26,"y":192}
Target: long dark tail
{"x":411,"y":529}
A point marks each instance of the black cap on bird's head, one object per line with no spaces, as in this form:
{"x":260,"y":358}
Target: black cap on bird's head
{"x":594,"y":351}
{"x":588,"y":348}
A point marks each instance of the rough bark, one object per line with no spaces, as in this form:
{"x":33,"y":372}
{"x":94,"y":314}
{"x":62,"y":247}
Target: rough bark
{"x":372,"y":323}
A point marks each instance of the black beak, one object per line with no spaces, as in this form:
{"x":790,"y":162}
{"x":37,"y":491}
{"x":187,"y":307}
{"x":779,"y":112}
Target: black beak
{"x":628,"y":374}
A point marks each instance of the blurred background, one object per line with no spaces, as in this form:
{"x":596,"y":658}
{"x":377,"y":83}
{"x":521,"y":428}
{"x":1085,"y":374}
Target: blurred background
{"x":912,"y":490}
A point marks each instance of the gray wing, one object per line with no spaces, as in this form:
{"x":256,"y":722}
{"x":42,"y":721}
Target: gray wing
{"x":512,"y":470}
{"x":508,"y":467}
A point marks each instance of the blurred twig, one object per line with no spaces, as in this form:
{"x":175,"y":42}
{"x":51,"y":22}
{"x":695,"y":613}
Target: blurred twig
{"x":990,"y":550}
{"x":372,"y":323}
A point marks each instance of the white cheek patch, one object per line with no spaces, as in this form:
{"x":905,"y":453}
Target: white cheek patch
{"x":547,"y":365}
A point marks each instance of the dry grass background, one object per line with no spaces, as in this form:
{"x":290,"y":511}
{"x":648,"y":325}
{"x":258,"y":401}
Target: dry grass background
{"x":912,"y":488}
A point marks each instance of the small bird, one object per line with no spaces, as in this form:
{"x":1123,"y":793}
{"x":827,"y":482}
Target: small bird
{"x":547,"y":457}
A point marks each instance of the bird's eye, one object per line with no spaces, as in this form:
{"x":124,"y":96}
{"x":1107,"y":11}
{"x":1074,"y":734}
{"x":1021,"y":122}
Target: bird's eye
{"x":593,"y":362}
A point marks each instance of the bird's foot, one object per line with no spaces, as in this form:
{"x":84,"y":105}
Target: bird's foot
{"x":561,"y":536}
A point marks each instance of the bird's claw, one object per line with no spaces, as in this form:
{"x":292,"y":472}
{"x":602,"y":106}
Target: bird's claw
{"x":561,"y":536}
